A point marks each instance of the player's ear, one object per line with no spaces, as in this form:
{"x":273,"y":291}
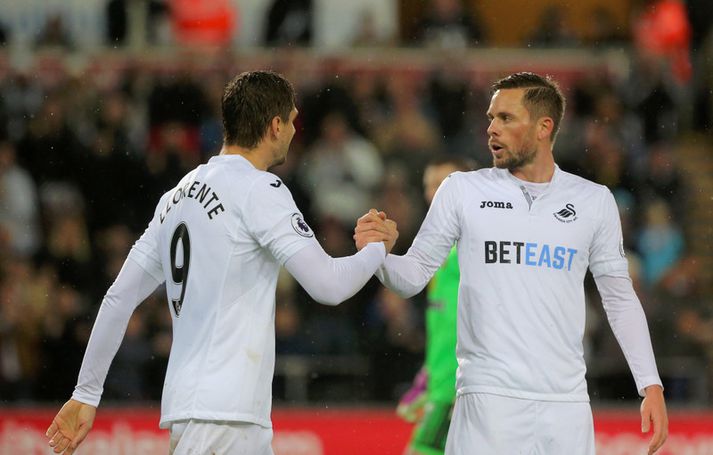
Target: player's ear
{"x":545,"y":125}
{"x":276,"y":125}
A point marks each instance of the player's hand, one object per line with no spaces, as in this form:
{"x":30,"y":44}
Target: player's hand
{"x":372,"y":227}
{"x":653,"y":411}
{"x":70,"y":426}
{"x":393,"y":234}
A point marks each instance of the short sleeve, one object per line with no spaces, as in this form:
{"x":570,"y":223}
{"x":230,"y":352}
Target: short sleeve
{"x":146,"y":249}
{"x":274,"y":220}
{"x":606,"y":256}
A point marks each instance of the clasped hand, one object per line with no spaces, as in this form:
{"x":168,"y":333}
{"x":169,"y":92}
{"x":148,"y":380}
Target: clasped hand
{"x":375,"y":227}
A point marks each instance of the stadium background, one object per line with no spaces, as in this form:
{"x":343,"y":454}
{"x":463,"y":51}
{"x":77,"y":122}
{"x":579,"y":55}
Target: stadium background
{"x":104,"y":104}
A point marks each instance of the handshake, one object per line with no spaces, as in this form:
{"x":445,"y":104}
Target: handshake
{"x":375,"y":227}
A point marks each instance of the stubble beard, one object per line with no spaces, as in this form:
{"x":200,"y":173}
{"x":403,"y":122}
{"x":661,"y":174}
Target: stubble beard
{"x":517,"y":160}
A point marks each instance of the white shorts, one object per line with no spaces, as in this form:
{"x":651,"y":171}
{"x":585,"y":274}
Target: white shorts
{"x":486,"y":424}
{"x":197,"y":437}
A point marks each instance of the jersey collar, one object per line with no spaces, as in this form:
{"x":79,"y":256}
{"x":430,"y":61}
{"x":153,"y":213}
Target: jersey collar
{"x":232,"y":159}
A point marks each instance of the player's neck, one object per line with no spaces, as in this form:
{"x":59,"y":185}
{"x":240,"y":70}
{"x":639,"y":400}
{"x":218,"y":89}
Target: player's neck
{"x":540,"y":170}
{"x":256,"y":156}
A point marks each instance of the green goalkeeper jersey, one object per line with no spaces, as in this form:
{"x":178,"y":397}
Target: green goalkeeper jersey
{"x":441,"y":317}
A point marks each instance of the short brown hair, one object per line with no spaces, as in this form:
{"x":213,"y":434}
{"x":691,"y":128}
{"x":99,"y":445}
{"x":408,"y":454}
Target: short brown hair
{"x":250,"y":102}
{"x":542,"y":97}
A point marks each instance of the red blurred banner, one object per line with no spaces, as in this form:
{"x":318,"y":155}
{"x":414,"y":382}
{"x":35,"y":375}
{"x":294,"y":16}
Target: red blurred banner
{"x":340,"y":431}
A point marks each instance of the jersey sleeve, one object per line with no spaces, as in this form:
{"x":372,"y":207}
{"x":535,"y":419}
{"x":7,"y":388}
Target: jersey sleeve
{"x":330,"y":280}
{"x":628,"y":322}
{"x":131,"y":287}
{"x":606,"y":256}
{"x":407,"y":275}
{"x":274,"y":220}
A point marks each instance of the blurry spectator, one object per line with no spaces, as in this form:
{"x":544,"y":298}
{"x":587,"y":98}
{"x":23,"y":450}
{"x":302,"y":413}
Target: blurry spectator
{"x":64,"y":336}
{"x":610,"y":121}
{"x":161,"y":335}
{"x":661,"y":30}
{"x":116,"y":22}
{"x":552,"y":29}
{"x":369,"y":96}
{"x":54,"y":35}
{"x":654,"y":98}
{"x":366,"y":34}
{"x":448,"y":25}
{"x":395,"y":334}
{"x":177,"y":97}
{"x":332,"y":95}
{"x":173,"y":153}
{"x":662,"y":180}
{"x":604,"y":30}
{"x":21,"y":97}
{"x":289,"y":338}
{"x":23,"y":302}
{"x":111,"y":245}
{"x":341,"y":171}
{"x":660,"y":242}
{"x":19,"y":210}
{"x":289,"y":23}
{"x":605,"y":160}
{"x":701,"y":22}
{"x":449,"y":94}
{"x":127,"y":375}
{"x":111,"y":183}
{"x":50,"y":150}
{"x":401,"y":201}
{"x":66,"y":248}
{"x":406,"y":134}
{"x":211,"y":127}
{"x":3,"y":35}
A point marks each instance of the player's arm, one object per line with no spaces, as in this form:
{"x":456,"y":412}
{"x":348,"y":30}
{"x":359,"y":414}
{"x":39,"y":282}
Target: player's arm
{"x":407,"y":275}
{"x":280,"y":228}
{"x":329,"y":280}
{"x":139,"y":277}
{"x":628,"y":322}
{"x":627,"y":319}
{"x":74,"y":420}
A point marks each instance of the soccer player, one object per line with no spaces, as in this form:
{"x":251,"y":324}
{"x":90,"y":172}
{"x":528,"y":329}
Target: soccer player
{"x":430,"y":401}
{"x":217,"y":240}
{"x":526,"y":233}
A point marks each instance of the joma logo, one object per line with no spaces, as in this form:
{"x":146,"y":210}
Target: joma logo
{"x":495,"y":205}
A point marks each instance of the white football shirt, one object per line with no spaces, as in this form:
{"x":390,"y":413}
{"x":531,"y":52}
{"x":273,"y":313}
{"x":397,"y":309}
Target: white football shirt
{"x":218,"y":240}
{"x":521,"y":308}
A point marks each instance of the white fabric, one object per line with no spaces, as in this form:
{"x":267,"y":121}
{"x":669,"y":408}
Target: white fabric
{"x":331,"y":280}
{"x":495,"y":425}
{"x":217,"y":240}
{"x":628,"y":322}
{"x":130,"y":288}
{"x":521,"y":305}
{"x":234,"y":438}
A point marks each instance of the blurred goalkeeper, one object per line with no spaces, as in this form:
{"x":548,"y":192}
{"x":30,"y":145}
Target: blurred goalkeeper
{"x":429,"y":402}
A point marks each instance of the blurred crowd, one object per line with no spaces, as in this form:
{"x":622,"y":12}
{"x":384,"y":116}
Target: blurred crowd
{"x":84,"y":159}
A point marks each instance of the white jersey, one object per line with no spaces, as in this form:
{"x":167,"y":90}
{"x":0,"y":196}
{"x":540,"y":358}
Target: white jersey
{"x":218,"y":240}
{"x":521,"y":306}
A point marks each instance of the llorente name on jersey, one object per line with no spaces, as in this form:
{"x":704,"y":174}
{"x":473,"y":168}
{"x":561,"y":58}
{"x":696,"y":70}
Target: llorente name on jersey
{"x":191,"y":190}
{"x":532,"y":254}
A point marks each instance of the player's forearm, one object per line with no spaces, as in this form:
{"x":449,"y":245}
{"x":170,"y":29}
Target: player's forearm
{"x":329,"y":280}
{"x":407,"y":275}
{"x":130,"y":288}
{"x":628,"y":322}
